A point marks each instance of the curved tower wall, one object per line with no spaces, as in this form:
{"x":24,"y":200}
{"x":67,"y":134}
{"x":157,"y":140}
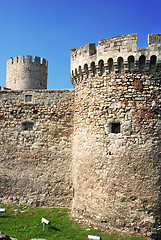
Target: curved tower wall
{"x":116,"y":143}
{"x":26,"y":73}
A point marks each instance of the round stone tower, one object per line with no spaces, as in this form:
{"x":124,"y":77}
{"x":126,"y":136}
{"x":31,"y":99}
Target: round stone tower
{"x":116,"y":142}
{"x":26,"y":73}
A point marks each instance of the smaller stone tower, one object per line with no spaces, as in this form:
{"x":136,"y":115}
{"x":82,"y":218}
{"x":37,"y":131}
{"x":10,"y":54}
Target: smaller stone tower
{"x":26,"y":73}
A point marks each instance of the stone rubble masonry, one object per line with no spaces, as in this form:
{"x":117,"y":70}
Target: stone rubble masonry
{"x":96,"y":148}
{"x":117,"y":176}
{"x":36,"y":163}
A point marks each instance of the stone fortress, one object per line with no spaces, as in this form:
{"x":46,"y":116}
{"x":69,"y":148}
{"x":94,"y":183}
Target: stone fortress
{"x":95,"y":148}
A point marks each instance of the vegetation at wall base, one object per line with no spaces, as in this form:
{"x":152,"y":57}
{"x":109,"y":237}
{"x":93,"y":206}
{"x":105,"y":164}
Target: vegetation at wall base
{"x":24,"y":223}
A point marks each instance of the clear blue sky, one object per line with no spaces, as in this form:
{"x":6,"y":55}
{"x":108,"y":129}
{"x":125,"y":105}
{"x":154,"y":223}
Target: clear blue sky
{"x":49,"y":28}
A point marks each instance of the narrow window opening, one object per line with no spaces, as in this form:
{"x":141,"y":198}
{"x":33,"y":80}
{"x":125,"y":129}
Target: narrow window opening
{"x":120,"y":63}
{"x":115,"y":128}
{"x":27,"y":126}
{"x":153,"y":61}
{"x":80,"y":70}
{"x":93,"y":68}
{"x":86,"y":69}
{"x":110,"y":65}
{"x":101,"y":66}
{"x":28,"y":98}
{"x":141,"y":63}
{"x":131,"y":63}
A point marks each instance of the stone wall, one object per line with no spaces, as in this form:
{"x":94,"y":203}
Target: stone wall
{"x":116,"y":151}
{"x":35,"y":147}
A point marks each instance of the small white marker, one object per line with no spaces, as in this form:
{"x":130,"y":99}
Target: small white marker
{"x":2,"y":209}
{"x":45,"y":221}
{"x":91,"y":237}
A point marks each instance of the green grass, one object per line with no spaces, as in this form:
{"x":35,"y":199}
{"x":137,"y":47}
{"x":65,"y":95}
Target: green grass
{"x":27,"y":225}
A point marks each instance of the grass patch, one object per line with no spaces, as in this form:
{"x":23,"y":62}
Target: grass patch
{"x":26,"y":224}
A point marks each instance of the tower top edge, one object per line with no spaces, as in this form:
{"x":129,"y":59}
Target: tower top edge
{"x":27,"y":59}
{"x":115,"y":47}
{"x":121,"y":42}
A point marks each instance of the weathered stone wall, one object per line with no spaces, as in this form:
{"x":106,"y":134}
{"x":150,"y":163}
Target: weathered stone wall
{"x":26,"y":73}
{"x":116,"y":144}
{"x":35,"y":147}
{"x":116,"y":176}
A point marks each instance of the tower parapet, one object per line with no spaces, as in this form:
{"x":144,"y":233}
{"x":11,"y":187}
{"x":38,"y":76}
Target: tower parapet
{"x":26,"y":73}
{"x":118,"y":54}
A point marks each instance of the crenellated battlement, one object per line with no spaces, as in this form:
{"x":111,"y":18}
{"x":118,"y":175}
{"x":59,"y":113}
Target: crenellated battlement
{"x":118,"y":54}
{"x":27,"y":59}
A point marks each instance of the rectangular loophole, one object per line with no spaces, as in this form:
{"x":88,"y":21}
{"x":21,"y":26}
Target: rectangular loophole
{"x":28,"y":98}
{"x":115,"y":128}
{"x":28,"y":126}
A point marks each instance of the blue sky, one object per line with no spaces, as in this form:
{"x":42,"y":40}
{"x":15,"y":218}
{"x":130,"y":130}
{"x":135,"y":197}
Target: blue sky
{"x":49,"y":28}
